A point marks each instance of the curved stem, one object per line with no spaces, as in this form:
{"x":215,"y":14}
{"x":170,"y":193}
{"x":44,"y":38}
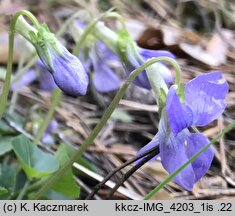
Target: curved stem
{"x":56,"y":97}
{"x":113,"y":172}
{"x":28,"y":14}
{"x":87,"y":31}
{"x":24,"y":190}
{"x":178,"y":72}
{"x":119,"y":17}
{"x":5,"y":91}
{"x":68,"y":22}
{"x":58,"y":174}
{"x":131,"y":171}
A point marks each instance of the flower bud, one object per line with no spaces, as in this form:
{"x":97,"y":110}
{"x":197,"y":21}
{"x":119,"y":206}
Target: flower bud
{"x":135,"y":58}
{"x":66,"y":69}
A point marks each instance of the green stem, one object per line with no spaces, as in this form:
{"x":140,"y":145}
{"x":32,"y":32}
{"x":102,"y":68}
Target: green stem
{"x":157,"y":83}
{"x":28,"y":14}
{"x":119,"y":17}
{"x":171,"y":177}
{"x":36,"y":185}
{"x":68,"y":22}
{"x":23,"y":28}
{"x":177,"y":73}
{"x":24,"y":190}
{"x":6,"y":87}
{"x":14,"y":97}
{"x":78,"y":153}
{"x":56,"y":97}
{"x":105,"y":34}
{"x":88,"y":31}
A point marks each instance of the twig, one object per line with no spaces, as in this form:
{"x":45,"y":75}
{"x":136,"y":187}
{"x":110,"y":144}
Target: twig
{"x":24,"y":190}
{"x":132,"y":170}
{"x":223,"y":161}
{"x":127,"y":193}
{"x":85,"y":187}
{"x":98,"y":186}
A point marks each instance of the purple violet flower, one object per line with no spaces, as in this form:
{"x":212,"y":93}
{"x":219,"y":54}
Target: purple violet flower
{"x":204,"y":102}
{"x":46,"y":81}
{"x":97,"y":60}
{"x":47,"y":136}
{"x":100,"y":58}
{"x":133,"y":63}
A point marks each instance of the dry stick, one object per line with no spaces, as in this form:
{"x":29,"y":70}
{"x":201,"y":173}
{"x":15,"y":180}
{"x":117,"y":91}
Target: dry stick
{"x":132,"y":170}
{"x":98,"y":186}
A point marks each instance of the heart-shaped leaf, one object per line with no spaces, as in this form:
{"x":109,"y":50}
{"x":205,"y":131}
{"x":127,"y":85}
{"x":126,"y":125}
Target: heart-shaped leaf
{"x":3,"y":191}
{"x":5,"y":144}
{"x":33,"y":160}
{"x":66,"y":185}
{"x":7,"y":181}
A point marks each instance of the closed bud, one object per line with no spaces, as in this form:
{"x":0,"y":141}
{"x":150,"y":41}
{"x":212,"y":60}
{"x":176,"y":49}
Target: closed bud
{"x":66,"y":69}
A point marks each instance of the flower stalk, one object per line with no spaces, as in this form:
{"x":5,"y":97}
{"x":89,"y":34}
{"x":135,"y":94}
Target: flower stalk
{"x":56,"y":97}
{"x":90,"y":28}
{"x":6,"y":86}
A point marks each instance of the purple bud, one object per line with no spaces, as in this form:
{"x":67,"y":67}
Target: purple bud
{"x":66,"y":69}
{"x":68,"y":72}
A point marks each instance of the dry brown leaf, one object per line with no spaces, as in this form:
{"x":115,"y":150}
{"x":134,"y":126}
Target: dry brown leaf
{"x":211,"y":51}
{"x":213,"y":54}
{"x":171,"y":36}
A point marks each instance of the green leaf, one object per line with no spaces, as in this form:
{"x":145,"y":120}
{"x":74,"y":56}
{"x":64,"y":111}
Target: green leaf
{"x":5,"y":144}
{"x":33,"y":160}
{"x":7,"y":181}
{"x":3,"y":191}
{"x":82,"y":161}
{"x":66,"y":185}
{"x":5,"y":129}
{"x":53,"y":195}
{"x":21,"y":180}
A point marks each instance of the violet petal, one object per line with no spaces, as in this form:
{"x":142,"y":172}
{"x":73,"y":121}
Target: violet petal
{"x":205,"y":95}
